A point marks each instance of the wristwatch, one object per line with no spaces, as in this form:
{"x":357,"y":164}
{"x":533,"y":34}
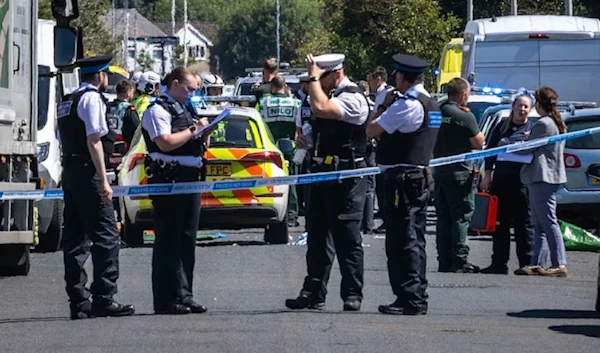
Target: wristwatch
{"x":313,"y":79}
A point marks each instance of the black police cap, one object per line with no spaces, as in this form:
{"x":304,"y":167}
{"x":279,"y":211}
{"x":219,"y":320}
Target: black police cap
{"x":409,"y":63}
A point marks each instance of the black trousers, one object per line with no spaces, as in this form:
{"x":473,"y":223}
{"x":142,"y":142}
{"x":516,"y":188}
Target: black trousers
{"x":90,"y":228}
{"x":367,"y":223}
{"x":174,"y":253}
{"x":405,"y":215}
{"x":335,"y":211}
{"x":513,"y":210}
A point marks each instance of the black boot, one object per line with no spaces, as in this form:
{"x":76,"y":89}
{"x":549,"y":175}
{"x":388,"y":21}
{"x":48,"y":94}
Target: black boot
{"x":111,"y":308}
{"x":304,"y":301}
{"x":81,"y":311}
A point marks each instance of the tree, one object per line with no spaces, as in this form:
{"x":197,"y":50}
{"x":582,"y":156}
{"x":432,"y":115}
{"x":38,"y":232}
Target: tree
{"x":370,"y":32}
{"x":96,"y":38}
{"x":145,"y":61}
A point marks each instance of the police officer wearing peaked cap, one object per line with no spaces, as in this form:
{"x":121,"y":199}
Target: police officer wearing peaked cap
{"x":89,"y":212}
{"x":407,"y":124}
{"x":335,"y":207}
{"x":305,"y":117}
{"x":176,"y":149}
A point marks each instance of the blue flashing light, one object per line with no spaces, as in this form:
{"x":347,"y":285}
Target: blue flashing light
{"x":487,"y":90}
{"x":195,"y":99}
{"x":497,"y":90}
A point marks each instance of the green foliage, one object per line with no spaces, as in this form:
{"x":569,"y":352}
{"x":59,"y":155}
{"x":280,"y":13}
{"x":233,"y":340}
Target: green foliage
{"x":145,"y":61}
{"x":97,"y":40}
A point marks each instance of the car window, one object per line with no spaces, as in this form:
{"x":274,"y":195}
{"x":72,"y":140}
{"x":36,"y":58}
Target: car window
{"x":477,"y":108}
{"x":43,"y":96}
{"x":236,"y":131}
{"x":589,"y":142}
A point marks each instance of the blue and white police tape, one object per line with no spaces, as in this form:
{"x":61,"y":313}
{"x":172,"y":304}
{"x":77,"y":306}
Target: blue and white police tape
{"x":208,"y":186}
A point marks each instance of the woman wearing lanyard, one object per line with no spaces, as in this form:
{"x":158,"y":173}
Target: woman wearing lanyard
{"x":543,"y":176}
{"x":503,"y":180}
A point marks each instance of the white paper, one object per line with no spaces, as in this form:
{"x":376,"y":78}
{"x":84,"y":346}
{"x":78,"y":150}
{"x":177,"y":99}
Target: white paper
{"x":514,"y":157}
{"x":224,"y":115}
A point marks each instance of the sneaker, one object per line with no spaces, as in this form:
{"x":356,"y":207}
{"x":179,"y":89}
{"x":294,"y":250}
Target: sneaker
{"x":531,"y":270}
{"x":554,"y":272}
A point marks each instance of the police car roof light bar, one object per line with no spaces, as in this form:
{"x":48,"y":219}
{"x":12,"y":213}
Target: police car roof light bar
{"x":247,"y":98}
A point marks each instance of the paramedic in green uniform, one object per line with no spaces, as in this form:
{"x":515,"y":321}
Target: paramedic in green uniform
{"x":454,"y":196}
{"x":281,"y":111}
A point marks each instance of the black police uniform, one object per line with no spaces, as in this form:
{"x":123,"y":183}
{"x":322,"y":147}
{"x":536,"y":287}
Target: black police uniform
{"x":176,"y":218}
{"x":406,"y":190}
{"x":303,"y":190}
{"x":87,"y":219}
{"x":335,"y":211}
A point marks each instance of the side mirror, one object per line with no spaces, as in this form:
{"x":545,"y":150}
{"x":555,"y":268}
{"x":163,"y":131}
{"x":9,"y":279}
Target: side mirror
{"x":66,"y":46}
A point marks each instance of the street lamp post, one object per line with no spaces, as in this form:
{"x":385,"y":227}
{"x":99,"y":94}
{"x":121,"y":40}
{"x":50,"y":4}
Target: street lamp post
{"x":278,"y":45}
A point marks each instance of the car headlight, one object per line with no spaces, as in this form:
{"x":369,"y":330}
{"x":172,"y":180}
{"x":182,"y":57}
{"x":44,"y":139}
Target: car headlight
{"x":42,"y":151}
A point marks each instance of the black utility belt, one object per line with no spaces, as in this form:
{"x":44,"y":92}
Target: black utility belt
{"x":161,"y":171}
{"x":332,"y":163}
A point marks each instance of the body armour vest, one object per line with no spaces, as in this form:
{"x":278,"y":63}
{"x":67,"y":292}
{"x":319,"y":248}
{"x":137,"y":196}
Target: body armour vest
{"x":280,"y":109}
{"x":339,"y":138}
{"x":414,"y":147}
{"x":72,"y":128}
{"x":181,"y":119}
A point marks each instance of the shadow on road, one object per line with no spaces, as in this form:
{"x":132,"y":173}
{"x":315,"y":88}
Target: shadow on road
{"x":585,"y":330}
{"x":33,"y":319}
{"x":555,"y":314}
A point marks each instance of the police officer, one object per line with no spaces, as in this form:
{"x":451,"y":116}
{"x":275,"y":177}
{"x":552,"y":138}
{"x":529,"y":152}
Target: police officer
{"x":260,"y":89}
{"x":89,"y":212}
{"x":122,"y":115}
{"x":281,"y":112}
{"x":454,"y":197}
{"x":407,"y":125}
{"x":176,"y":151}
{"x":149,"y":86}
{"x":335,"y":207}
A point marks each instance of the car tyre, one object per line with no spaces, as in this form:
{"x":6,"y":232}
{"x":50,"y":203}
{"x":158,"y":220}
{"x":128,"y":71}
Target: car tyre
{"x":51,"y":241}
{"x":132,"y":234}
{"x":277,"y":233}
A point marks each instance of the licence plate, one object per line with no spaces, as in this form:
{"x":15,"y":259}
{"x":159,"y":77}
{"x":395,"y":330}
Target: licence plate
{"x":218,"y":169}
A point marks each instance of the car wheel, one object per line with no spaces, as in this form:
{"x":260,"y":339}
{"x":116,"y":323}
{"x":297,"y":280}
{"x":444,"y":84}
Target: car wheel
{"x":277,"y":233}
{"x":14,"y":260}
{"x":132,"y":234}
{"x":51,"y":241}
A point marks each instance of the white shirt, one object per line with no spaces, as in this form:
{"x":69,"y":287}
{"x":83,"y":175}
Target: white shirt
{"x":157,"y":121}
{"x":382,"y":91}
{"x":353,"y":106}
{"x":406,"y":114}
{"x":92,"y":111}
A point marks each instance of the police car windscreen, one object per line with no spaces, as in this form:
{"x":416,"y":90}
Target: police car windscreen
{"x":246,"y":88}
{"x":113,"y":81}
{"x":43,"y":96}
{"x":235,"y":132}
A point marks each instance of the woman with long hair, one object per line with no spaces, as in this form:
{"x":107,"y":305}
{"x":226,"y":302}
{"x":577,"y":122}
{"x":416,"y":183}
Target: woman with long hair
{"x":543,"y":176}
{"x":503,"y":180}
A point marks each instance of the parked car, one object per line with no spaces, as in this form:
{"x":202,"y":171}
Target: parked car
{"x":578,"y":200}
{"x":241,"y":147}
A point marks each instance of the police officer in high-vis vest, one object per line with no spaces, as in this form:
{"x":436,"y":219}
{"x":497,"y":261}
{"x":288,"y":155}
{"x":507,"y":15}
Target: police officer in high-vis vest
{"x":89,"y":213}
{"x":407,"y":124}
{"x":176,"y":149}
{"x":281,"y":111}
{"x":336,"y":207}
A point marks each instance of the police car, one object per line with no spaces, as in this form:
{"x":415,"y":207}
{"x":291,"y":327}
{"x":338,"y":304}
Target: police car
{"x":578,"y":200}
{"x":241,"y":147}
{"x":243,"y":85}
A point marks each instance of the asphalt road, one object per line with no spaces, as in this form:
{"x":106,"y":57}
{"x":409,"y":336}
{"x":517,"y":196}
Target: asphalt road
{"x":244,"y":284}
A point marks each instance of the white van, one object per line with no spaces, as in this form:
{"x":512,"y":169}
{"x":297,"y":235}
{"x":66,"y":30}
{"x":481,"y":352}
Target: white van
{"x":50,"y":90}
{"x":562,"y":52}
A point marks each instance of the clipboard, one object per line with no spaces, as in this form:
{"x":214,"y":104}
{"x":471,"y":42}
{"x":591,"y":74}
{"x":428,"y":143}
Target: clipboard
{"x":224,"y":115}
